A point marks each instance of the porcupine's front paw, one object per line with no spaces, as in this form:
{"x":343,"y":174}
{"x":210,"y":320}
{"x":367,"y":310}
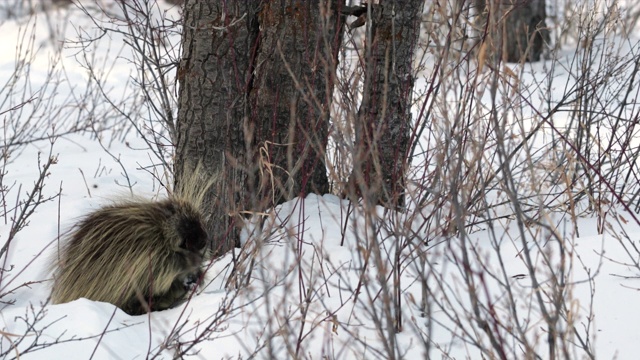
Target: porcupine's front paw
{"x":192,"y":281}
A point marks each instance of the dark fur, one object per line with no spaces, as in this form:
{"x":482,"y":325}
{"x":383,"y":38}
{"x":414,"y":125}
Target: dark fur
{"x":140,"y":256}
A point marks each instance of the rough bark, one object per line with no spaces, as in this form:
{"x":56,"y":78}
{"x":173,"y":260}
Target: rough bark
{"x":217,"y":40}
{"x":292,"y":89}
{"x":256,"y":79}
{"x":384,"y":117}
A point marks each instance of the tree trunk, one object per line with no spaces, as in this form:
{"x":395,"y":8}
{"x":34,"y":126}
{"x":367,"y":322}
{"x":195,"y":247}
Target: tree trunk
{"x":256,"y":80}
{"x":217,"y":40}
{"x":520,"y":26}
{"x":384,"y":118}
{"x":291,"y":94}
{"x":525,"y":30}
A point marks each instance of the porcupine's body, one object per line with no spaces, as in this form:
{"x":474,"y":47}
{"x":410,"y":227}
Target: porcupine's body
{"x":137,"y":255}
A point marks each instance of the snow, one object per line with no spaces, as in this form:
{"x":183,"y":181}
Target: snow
{"x":320,"y":280}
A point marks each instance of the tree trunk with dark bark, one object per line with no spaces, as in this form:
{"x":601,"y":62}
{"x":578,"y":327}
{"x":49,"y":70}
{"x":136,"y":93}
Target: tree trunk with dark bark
{"x":384,"y":118}
{"x":525,"y":30}
{"x":291,"y":94}
{"x":518,"y":25}
{"x":256,"y":80}
{"x":217,"y":40}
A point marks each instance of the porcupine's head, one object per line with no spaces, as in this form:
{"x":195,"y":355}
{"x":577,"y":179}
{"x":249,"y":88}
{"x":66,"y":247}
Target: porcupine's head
{"x":186,"y":234}
{"x":188,"y":227}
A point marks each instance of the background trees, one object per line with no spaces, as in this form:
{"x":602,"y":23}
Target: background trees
{"x":517,"y":28}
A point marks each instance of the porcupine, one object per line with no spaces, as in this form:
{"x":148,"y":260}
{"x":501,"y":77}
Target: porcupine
{"x":138,"y":255}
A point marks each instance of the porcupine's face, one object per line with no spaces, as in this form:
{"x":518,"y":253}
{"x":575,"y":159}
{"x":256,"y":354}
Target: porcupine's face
{"x":186,"y":229}
{"x":191,"y":231}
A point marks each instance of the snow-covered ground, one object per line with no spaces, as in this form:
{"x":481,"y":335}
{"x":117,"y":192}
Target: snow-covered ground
{"x":321,"y":274}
